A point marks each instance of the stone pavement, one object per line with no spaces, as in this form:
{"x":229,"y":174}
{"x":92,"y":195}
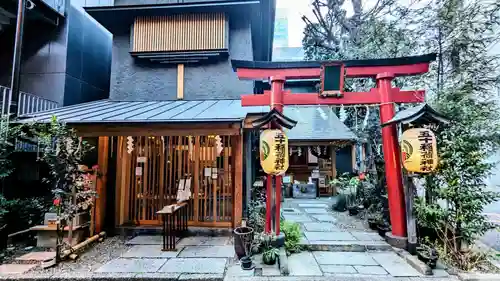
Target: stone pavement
{"x":325,"y":230}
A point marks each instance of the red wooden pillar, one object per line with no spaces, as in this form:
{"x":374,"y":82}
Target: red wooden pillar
{"x":277,"y":84}
{"x":392,"y":159}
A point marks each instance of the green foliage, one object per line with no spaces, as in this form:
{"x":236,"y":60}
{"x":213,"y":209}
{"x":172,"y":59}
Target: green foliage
{"x":293,"y":235}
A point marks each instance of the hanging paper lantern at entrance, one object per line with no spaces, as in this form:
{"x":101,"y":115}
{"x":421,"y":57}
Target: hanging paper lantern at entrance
{"x":273,"y":152}
{"x":419,"y":150}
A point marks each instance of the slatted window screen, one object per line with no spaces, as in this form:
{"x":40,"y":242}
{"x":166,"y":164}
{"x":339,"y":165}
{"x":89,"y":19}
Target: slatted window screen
{"x":184,"y":32}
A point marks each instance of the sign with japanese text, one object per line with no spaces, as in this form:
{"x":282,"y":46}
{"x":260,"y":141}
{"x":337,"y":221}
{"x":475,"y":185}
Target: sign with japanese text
{"x":419,"y":150}
{"x":273,"y":152}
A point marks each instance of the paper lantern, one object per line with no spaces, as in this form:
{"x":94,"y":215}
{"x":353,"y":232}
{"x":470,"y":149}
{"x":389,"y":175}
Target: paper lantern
{"x":419,"y":150}
{"x":273,"y":152}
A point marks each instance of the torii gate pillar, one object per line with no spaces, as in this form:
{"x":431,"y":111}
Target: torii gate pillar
{"x":392,"y":158}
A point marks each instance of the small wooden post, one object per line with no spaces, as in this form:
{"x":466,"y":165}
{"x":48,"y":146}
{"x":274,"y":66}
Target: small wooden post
{"x":100,"y":204}
{"x":180,"y":81}
{"x":238,"y":180}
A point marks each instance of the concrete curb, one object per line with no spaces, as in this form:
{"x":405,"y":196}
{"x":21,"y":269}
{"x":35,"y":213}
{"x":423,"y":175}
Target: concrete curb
{"x":478,"y":276}
{"x":283,"y":262}
{"x":348,"y":246}
{"x":417,"y":264}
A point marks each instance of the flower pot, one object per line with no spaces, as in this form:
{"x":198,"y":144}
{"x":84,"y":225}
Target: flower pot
{"x":243,"y":237}
{"x":382,"y":229}
{"x":424,"y":256}
{"x":372,"y":224}
{"x":4,"y":236}
{"x":353,"y":211}
{"x":246,"y":263}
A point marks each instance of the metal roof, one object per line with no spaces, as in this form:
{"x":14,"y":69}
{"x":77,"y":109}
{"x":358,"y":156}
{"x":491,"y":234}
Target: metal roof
{"x":423,"y":112}
{"x":108,"y":111}
{"x":316,"y":123}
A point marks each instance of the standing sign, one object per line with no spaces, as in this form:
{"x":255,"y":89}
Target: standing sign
{"x":273,"y":152}
{"x":419,"y":150}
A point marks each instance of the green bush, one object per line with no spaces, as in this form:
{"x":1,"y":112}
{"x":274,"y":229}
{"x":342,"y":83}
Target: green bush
{"x":20,"y":214}
{"x":293,"y":234}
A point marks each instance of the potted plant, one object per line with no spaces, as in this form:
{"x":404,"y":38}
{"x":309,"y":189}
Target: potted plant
{"x":428,"y":254}
{"x":270,"y":255}
{"x":243,"y":237}
{"x":383,"y":227}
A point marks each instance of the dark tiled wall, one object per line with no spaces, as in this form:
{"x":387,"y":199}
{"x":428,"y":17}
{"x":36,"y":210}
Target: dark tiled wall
{"x":89,"y":58}
{"x":135,"y":79}
{"x":43,"y":59}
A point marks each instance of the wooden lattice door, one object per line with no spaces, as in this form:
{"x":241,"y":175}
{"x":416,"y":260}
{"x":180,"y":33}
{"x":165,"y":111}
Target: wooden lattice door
{"x":159,"y":163}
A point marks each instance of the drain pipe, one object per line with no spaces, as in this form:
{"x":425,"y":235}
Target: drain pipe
{"x":16,"y":60}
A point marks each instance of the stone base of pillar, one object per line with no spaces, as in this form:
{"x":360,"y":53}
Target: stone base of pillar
{"x":396,"y":241}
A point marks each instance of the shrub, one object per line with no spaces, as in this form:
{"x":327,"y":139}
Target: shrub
{"x":293,"y":234}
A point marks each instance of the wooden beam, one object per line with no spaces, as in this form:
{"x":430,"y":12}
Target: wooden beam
{"x":247,"y":122}
{"x":333,"y":152}
{"x":118,"y":190}
{"x":149,"y":129}
{"x":238,"y":180}
{"x":180,"y":81}
{"x":100,"y":205}
{"x":371,"y":97}
{"x":350,"y":72}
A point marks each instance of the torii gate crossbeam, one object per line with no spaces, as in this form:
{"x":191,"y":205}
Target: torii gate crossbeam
{"x":383,"y":70}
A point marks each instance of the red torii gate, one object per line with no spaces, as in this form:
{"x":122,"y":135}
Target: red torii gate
{"x":383,"y":70}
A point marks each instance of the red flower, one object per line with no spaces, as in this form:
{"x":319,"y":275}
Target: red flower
{"x":95,"y":167}
{"x":362,"y":176}
{"x":57,"y":201}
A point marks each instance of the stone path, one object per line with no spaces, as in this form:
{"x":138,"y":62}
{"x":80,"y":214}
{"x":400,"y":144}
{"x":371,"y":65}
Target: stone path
{"x":325,"y":230}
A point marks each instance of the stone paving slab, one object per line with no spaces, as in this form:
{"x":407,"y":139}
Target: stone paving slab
{"x":329,"y":236}
{"x":7,"y":269}
{"x":195,"y":265}
{"x":320,"y":226}
{"x":316,"y":211}
{"x":149,"y":251}
{"x":205,"y":241}
{"x":146,"y":240}
{"x":158,"y":276}
{"x":132,"y":265}
{"x":338,"y":269}
{"x":344,"y":258}
{"x":207,"y":252}
{"x":303,"y":264}
{"x":371,"y":270}
{"x":345,"y":246}
{"x":201,"y":277}
{"x":324,"y":218}
{"x":297,"y":218}
{"x":236,"y":270}
{"x":366,"y":236}
{"x":37,"y":256}
{"x":313,"y":205}
{"x":394,"y":264}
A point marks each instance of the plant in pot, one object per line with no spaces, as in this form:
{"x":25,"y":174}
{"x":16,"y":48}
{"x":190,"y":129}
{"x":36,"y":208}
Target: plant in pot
{"x":383,"y":227}
{"x":428,"y":254}
{"x":243,"y":237}
{"x":270,"y":253}
{"x":353,"y":202}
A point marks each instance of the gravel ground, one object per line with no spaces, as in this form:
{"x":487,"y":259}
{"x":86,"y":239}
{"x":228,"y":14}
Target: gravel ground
{"x":92,"y":258}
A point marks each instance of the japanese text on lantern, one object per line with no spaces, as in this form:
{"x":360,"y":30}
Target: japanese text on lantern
{"x":273,"y":152}
{"x":419,"y":150}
